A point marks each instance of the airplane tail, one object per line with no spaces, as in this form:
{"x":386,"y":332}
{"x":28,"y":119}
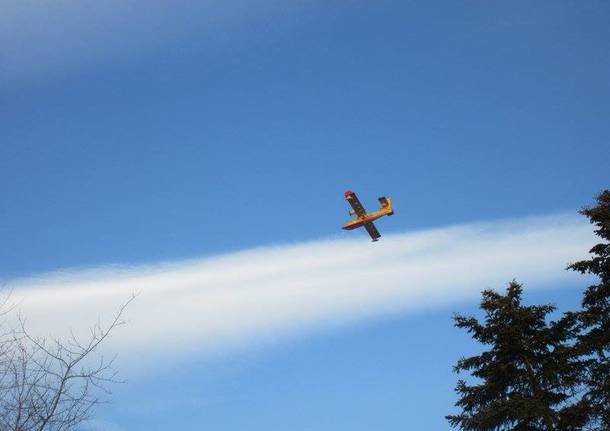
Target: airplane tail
{"x":386,"y":204}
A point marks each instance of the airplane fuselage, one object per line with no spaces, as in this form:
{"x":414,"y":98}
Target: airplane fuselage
{"x":357,"y":222}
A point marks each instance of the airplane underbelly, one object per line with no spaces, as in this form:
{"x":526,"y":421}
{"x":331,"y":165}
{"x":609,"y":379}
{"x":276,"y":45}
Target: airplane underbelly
{"x":361,"y":221}
{"x":354,"y":225}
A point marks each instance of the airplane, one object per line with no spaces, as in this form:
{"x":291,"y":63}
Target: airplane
{"x":364,"y":218}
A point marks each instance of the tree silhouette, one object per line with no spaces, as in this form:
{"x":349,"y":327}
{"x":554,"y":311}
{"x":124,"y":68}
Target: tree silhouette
{"x":52,"y":384}
{"x":527,"y":379}
{"x":593,"y":320}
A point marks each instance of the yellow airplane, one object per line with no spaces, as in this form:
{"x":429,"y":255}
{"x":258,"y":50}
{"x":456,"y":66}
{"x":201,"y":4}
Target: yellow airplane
{"x":366,"y":219}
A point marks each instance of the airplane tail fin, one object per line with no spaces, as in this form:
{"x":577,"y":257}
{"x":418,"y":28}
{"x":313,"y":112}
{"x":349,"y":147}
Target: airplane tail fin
{"x":386,"y":204}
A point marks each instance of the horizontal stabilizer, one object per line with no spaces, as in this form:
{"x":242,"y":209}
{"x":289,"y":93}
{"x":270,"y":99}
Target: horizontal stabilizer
{"x":386,"y":204}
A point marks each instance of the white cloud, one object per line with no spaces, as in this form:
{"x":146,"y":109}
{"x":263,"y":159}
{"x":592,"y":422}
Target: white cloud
{"x":250,"y":297}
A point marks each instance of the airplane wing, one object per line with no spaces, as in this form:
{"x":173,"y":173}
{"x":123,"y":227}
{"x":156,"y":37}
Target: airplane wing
{"x":355,"y":203}
{"x":372,"y":230}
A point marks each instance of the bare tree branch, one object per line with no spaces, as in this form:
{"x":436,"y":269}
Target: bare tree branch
{"x":49,"y":383}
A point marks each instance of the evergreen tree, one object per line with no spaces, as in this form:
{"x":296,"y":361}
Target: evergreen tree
{"x":526,"y":380}
{"x":593,"y":342}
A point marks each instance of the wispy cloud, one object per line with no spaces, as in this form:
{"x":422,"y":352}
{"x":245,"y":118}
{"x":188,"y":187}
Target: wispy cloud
{"x":39,"y":39}
{"x":216,"y":303}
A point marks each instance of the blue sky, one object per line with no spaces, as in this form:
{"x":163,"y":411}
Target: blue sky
{"x":134,"y":134}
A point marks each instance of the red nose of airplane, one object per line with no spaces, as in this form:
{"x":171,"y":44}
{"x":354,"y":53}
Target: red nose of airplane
{"x":348,"y":193}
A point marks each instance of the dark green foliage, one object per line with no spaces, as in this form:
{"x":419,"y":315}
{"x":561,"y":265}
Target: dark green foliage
{"x":541,"y":375}
{"x":593,"y":321}
{"x":527,"y":379}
